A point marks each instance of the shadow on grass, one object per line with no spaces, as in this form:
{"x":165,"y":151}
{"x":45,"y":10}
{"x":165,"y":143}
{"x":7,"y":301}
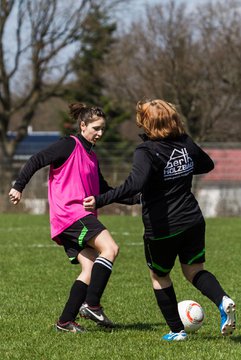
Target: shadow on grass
{"x":136,"y":327}
{"x":139,"y":326}
{"x":236,"y":338}
{"x":223,"y":338}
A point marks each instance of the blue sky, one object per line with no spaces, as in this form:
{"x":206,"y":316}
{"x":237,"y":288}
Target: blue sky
{"x":150,"y":2}
{"x":133,"y":11}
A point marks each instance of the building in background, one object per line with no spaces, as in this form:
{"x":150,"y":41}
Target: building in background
{"x":218,"y":192}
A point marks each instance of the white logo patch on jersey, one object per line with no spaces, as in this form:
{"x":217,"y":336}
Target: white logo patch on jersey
{"x":179,"y":164}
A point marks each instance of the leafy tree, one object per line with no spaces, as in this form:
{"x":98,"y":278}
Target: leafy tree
{"x":98,"y":36}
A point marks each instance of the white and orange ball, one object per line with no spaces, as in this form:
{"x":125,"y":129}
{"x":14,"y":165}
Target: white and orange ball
{"x":191,"y":314}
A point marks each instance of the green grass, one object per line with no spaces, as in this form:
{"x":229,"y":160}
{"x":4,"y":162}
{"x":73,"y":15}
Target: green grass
{"x":36,"y":277}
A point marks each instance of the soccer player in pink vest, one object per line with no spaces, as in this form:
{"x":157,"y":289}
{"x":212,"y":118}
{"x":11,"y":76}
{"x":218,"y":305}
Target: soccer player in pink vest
{"x":74,"y":175}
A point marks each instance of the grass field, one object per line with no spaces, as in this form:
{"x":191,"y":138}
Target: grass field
{"x":36,"y":277}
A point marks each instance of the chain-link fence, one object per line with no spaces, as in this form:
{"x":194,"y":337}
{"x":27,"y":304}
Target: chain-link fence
{"x":218,"y":192}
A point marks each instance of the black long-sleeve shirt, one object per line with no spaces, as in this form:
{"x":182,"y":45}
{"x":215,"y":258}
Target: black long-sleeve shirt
{"x":55,"y":154}
{"x":162,"y":171}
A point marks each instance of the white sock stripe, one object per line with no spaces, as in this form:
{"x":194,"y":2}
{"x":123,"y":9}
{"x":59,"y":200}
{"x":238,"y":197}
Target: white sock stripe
{"x":105,"y":265}
{"x":106,"y":261}
{"x":102,"y":263}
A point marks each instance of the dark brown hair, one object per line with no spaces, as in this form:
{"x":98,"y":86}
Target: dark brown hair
{"x":159,"y":119}
{"x":81,"y":112}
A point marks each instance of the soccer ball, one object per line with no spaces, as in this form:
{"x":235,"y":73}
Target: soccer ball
{"x":191,"y":314}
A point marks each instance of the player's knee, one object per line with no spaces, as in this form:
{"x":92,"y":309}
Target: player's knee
{"x":189,"y":275}
{"x":115,"y":250}
{"x":189,"y":271}
{"x":110,"y":252}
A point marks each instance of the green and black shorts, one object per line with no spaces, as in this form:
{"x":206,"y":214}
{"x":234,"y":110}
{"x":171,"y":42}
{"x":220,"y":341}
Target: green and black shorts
{"x":75,"y":238}
{"x":188,"y":245}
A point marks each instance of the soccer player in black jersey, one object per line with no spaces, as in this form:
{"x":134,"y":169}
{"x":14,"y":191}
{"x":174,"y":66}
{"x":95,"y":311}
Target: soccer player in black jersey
{"x":162,"y":170}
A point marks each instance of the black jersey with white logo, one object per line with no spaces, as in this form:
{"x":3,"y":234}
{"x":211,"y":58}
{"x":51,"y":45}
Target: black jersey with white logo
{"x":162,"y":171}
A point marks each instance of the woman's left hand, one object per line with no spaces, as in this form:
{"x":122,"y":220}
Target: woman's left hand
{"x":89,"y":203}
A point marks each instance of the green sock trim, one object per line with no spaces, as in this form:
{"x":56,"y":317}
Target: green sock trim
{"x":168,"y":236}
{"x":196,"y":257}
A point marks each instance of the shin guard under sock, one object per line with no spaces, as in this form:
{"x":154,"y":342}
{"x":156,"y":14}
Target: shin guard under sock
{"x":209,"y":286}
{"x":100,"y":274}
{"x":167,"y":302}
{"x":76,"y":298}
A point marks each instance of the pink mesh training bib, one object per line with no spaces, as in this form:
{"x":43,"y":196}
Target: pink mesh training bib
{"x":69,"y":184}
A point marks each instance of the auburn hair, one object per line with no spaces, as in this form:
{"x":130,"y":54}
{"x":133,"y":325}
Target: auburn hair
{"x":159,"y":119}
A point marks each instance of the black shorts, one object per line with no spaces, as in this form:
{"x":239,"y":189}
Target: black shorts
{"x":188,"y":245}
{"x":75,"y":238}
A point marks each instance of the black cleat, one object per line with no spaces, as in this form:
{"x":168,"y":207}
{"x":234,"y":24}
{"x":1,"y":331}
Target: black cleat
{"x":69,"y":326}
{"x":96,"y":314}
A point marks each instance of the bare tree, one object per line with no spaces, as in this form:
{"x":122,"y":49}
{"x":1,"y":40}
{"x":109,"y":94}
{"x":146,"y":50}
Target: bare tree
{"x":142,"y":63}
{"x":38,"y":39}
{"x":43,"y":29}
{"x":31,"y":69}
{"x":220,"y":59}
{"x":191,"y":59}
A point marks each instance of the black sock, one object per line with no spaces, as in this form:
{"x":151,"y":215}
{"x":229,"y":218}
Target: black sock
{"x":76,"y":298}
{"x":167,"y":302}
{"x":209,"y":286}
{"x":100,"y":274}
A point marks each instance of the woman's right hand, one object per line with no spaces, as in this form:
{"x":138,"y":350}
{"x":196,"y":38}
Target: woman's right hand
{"x":15,"y":196}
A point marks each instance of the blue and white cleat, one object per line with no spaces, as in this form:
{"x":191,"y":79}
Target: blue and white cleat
{"x":228,"y":319}
{"x":172,"y":336}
